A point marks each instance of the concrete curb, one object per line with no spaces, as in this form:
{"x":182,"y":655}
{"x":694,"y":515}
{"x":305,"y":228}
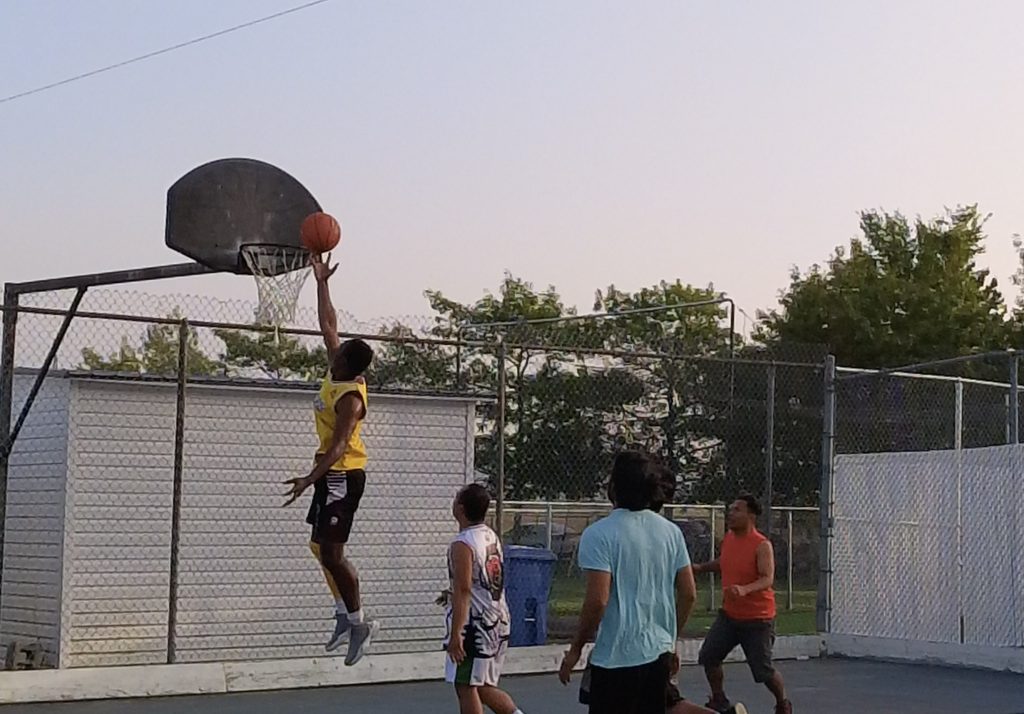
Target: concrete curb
{"x":166,"y":680}
{"x":1001,"y":659}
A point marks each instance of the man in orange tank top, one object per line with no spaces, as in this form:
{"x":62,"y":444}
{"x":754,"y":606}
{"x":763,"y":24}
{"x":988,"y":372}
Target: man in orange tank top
{"x":747,"y":617}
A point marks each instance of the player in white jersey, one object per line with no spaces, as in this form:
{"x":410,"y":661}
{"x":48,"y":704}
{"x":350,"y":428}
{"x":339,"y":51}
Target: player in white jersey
{"x":477,"y":618}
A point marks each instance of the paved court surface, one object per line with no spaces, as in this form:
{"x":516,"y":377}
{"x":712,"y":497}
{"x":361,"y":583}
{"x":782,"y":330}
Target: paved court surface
{"x":816,"y":687}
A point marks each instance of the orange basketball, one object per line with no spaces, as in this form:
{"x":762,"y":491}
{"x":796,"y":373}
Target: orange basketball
{"x":320,"y":232}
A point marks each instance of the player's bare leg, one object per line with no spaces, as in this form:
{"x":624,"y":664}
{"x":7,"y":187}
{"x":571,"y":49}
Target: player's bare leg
{"x":345,"y":575}
{"x":469,"y":699}
{"x":342,"y":627}
{"x":497,"y":700}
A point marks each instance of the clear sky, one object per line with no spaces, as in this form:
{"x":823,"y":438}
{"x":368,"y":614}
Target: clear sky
{"x":574,"y":143}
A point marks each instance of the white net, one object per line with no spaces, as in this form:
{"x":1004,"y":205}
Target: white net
{"x":280,"y":273}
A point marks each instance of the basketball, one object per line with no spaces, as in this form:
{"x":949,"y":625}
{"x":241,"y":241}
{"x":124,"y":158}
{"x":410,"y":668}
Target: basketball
{"x":320,"y":232}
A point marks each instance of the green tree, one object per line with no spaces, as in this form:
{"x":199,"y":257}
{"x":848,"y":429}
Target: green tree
{"x":682,"y":414}
{"x":903,"y":293}
{"x":156,"y":353}
{"x":408,"y":361}
{"x":576,"y":394}
{"x":276,"y":356}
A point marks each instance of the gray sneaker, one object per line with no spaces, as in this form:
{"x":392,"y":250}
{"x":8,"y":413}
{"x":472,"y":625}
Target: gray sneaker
{"x":359,"y":645}
{"x":342,"y":628}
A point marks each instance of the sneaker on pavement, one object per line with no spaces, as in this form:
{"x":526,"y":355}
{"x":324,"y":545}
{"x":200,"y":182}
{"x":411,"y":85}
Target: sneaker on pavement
{"x":736,"y":709}
{"x":361,"y":638}
{"x":342,"y":629}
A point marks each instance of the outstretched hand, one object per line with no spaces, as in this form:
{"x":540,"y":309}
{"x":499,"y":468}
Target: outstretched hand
{"x":322,"y":268}
{"x":298,"y":486}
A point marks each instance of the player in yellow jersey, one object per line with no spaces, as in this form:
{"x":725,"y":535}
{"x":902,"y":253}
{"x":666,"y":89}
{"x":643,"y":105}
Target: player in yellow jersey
{"x":338,"y":476}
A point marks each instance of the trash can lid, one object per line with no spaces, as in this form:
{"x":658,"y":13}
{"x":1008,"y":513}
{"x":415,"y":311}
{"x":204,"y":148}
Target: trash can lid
{"x":524,"y":552}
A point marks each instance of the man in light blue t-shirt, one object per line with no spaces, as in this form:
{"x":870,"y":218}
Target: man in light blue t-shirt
{"x":640,"y":592}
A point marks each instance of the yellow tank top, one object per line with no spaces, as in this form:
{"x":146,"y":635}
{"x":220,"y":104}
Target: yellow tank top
{"x":326,"y":418}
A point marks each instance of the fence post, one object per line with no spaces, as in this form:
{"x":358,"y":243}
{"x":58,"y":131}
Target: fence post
{"x":499,"y":497}
{"x":10,"y":323}
{"x":789,"y":559}
{"x":958,"y":445}
{"x":769,"y":451}
{"x":179,"y":461}
{"x":550,"y":515}
{"x":1014,"y":435}
{"x":458,"y":357}
{"x":714,"y":550}
{"x":824,"y":600}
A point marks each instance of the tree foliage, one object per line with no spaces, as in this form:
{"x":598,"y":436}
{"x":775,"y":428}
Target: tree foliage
{"x":271,"y":355}
{"x":157,"y":353}
{"x":903,"y":292}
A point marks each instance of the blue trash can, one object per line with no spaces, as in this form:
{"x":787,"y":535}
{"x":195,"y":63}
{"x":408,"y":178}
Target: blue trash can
{"x":528,"y":575}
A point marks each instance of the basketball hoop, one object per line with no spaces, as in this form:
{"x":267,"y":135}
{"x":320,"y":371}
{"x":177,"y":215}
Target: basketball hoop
{"x":280,"y":273}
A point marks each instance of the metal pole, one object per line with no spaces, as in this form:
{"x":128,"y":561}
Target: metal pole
{"x":1014,"y":400}
{"x":769,"y":451}
{"x":550,"y":520}
{"x":499,"y":501}
{"x":458,"y":357}
{"x":958,"y":415}
{"x":179,"y":461}
{"x":7,"y":446}
{"x":10,"y":322}
{"x":958,"y":445}
{"x":91,"y":280}
{"x":1014,"y":429}
{"x":714,"y":551}
{"x":825,"y":505}
{"x":789,"y":559}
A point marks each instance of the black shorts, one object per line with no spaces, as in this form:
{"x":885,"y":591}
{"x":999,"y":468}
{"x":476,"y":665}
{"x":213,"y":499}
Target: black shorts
{"x":637,"y":690}
{"x":756,"y":637}
{"x":672,"y":695}
{"x":335,"y":501}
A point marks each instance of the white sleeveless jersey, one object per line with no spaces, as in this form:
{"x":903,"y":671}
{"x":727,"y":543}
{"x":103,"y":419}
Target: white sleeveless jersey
{"x":487,"y":629}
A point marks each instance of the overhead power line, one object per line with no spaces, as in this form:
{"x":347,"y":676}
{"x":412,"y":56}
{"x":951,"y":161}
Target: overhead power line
{"x":157,"y":53}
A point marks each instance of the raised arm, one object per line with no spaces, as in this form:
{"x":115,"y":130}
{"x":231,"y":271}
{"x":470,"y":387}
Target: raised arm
{"x":328,"y":316}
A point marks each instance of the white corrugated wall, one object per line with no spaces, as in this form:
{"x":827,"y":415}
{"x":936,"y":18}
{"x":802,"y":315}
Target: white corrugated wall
{"x":248,"y":587}
{"x":33,"y":533}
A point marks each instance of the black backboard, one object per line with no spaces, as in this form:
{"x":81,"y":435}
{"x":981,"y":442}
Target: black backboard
{"x":215,"y":209}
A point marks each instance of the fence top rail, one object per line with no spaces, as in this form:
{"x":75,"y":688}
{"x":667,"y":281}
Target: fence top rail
{"x":121,"y":317}
{"x":681,"y":357}
{"x":855,"y":372}
{"x":908,"y":369}
{"x":407,"y":339}
{"x":597,"y":315}
{"x":604,"y":505}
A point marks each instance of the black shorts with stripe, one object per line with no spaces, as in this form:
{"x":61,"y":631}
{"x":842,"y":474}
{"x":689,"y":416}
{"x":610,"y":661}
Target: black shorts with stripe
{"x":336,"y":499}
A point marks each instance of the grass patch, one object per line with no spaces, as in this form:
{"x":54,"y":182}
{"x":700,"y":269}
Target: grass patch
{"x":567,"y":592}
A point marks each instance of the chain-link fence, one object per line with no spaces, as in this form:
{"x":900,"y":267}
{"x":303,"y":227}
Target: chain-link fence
{"x":926,"y":504}
{"x":577,"y":390}
{"x":143,"y":519}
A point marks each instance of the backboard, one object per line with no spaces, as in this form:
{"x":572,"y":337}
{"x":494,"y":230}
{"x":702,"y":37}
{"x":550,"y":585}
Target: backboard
{"x":217,"y":208}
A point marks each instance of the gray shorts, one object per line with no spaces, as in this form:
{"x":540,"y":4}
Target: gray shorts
{"x":756,"y":637}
